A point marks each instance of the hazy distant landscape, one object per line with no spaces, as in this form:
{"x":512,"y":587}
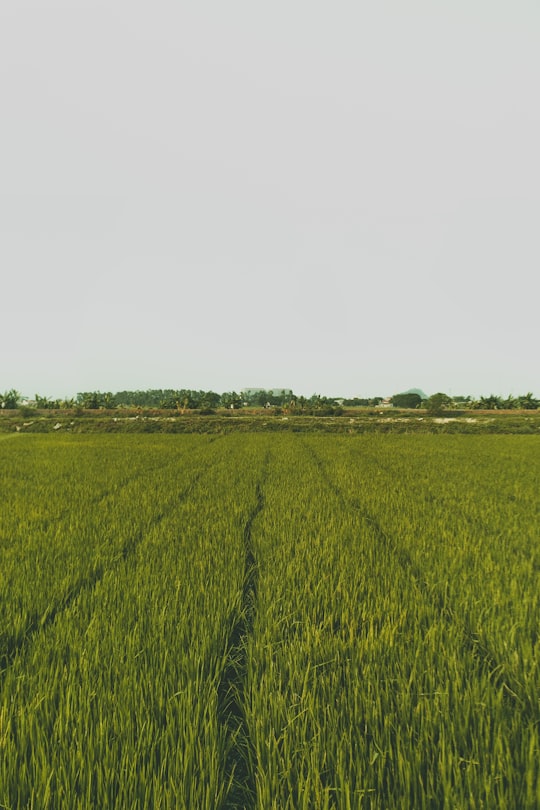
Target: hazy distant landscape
{"x":183,"y":400}
{"x":267,"y":410}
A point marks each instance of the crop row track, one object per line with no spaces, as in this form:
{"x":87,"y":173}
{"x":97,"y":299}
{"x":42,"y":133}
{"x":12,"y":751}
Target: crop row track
{"x":19,"y":634}
{"x":417,"y":625}
{"x":128,"y":698}
{"x":436,"y":593}
{"x":239,"y":764}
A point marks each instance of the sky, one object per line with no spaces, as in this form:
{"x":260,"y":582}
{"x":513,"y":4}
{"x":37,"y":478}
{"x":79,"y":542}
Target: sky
{"x":339,"y":198}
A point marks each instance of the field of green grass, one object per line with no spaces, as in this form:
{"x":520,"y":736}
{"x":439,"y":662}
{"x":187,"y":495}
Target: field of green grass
{"x":269,"y":621}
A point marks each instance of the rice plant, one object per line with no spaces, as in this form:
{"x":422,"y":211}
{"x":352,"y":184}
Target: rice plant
{"x":269,"y":621}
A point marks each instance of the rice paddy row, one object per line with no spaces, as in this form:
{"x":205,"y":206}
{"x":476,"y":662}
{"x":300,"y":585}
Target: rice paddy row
{"x":269,"y":621}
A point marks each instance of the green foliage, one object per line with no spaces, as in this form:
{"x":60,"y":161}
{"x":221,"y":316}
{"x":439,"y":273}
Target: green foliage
{"x":437,"y":403}
{"x":523,"y":402}
{"x":491,"y":403}
{"x":231,"y":400}
{"x":46,"y":404}
{"x":186,"y":399}
{"x":269,"y":621}
{"x":407,"y":400}
{"x":528,"y":402}
{"x":10,"y":399}
{"x":199,"y":400}
{"x":93,"y":400}
{"x":356,"y":402}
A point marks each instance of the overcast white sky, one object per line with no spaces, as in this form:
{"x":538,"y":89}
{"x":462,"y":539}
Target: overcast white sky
{"x":337,"y":197}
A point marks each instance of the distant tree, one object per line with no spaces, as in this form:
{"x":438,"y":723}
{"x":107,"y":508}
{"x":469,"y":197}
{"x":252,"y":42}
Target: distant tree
{"x":528,"y":402}
{"x":43,"y":403}
{"x":510,"y":403}
{"x":46,"y":404}
{"x":463,"y":401}
{"x":355,"y":402}
{"x":186,"y":400}
{"x":408,"y":400}
{"x":90,"y":400}
{"x":437,"y":403}
{"x":232,"y":400}
{"x":209,"y":399}
{"x":491,"y":403}
{"x":10,"y":399}
{"x":255,"y":398}
{"x":277,"y":398}
{"x":141,"y":399}
{"x":108,"y":400}
{"x":261,"y":398}
{"x":316,"y":401}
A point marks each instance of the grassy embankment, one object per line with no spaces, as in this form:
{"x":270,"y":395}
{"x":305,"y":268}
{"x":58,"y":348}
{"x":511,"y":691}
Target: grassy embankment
{"x":351,"y":421}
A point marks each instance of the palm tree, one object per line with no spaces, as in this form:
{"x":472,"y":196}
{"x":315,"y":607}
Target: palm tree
{"x":491,"y":403}
{"x":10,"y":399}
{"x":107,"y":400}
{"x":510,"y":403}
{"x":528,"y":402}
{"x":42,"y":402}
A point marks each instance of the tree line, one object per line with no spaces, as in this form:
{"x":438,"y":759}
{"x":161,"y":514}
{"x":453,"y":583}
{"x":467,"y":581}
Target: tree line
{"x":185,"y":399}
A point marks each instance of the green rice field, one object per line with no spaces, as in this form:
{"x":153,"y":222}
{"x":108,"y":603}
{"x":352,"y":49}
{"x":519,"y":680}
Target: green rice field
{"x":269,"y":622}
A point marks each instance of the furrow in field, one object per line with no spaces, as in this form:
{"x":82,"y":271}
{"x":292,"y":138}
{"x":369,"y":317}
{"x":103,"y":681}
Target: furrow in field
{"x":120,"y":485}
{"x":14,"y":645}
{"x":448,"y":612}
{"x":115,"y":705}
{"x":45,"y":562}
{"x":363,"y":690}
{"x":486,"y":657}
{"x":239,"y":764}
{"x":501,"y":674}
{"x":400,"y":554}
